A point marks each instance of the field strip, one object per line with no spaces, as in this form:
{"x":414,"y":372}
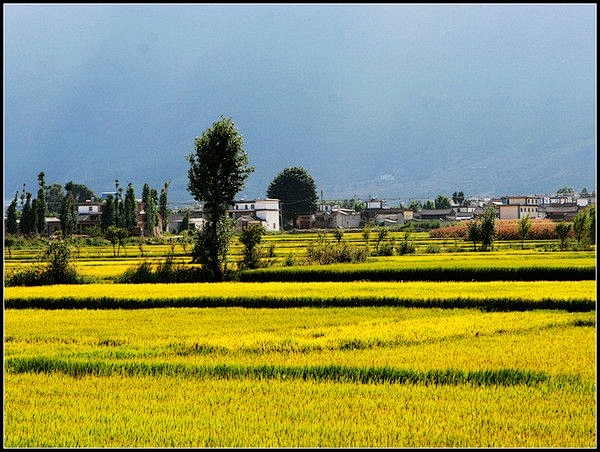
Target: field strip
{"x":503,"y":377}
{"x":570,"y":295}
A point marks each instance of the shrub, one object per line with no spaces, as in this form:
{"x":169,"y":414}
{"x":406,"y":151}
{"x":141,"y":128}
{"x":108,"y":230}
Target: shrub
{"x":323,"y":252}
{"x":165,"y":272}
{"x":55,"y":267}
{"x":432,"y":249}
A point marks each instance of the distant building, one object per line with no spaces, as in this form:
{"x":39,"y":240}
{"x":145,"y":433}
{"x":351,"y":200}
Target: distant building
{"x":264,"y":211}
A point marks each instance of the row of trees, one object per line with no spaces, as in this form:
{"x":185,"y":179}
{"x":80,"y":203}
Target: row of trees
{"x":33,"y":211}
{"x":123,"y":212}
{"x":118,"y":211}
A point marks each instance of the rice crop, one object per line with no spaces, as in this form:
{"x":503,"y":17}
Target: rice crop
{"x":299,"y":377}
{"x":497,"y":295}
{"x":553,"y":342}
{"x":54,"y":410}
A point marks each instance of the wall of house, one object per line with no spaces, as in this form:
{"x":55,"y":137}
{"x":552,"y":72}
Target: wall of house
{"x":532,"y":211}
{"x":508,"y":212}
{"x":345,"y":221}
{"x":86,"y":209}
{"x":270,"y":217}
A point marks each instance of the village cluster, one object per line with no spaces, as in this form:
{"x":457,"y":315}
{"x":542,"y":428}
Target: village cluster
{"x":267,"y":212}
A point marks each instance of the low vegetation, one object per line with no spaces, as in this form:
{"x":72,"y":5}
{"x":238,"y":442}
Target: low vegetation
{"x":300,"y":377}
{"x":419,"y":342}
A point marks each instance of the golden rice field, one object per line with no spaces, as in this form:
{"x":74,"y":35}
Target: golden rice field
{"x":309,"y":374}
{"x":179,"y":406}
{"x":103,"y":269}
{"x":536,"y":290}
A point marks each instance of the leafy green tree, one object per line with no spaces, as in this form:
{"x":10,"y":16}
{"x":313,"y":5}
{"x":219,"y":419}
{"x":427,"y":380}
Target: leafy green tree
{"x":149,"y":198}
{"x":34,"y":215}
{"x":185,"y":223}
{"x":218,"y":171}
{"x":415,"y":206}
{"x":27,"y":224}
{"x":119,"y":207}
{"x":474,"y":233}
{"x":211,"y":245}
{"x":366,"y":234}
{"x":162,"y":206}
{"x":116,"y":236}
{"x":565,"y":191}
{"x":60,"y":270}
{"x":41,"y":205}
{"x":54,"y":199}
{"x":563,"y":230}
{"x":12,"y":226}
{"x":108,"y":213}
{"x":251,"y":237}
{"x":581,"y":228}
{"x":82,"y":193}
{"x":488,"y":228}
{"x":357,"y":206}
{"x":592,"y":224}
{"x":442,"y":202}
{"x":338,"y":233}
{"x":523,"y":229}
{"x":153,"y":209}
{"x":9,"y":241}
{"x":130,"y":209}
{"x":382,"y":233}
{"x":458,"y":198}
{"x":184,"y":239}
{"x":428,"y":205}
{"x":68,"y":211}
{"x":297,"y":191}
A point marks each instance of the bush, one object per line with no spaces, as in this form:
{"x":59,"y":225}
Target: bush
{"x":433,"y":249}
{"x":55,"y":267}
{"x":165,"y":272}
{"x":405,"y":247}
{"x":386,"y":249}
{"x":330,"y":253}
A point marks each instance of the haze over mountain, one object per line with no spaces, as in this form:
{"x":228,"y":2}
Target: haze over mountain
{"x":395,"y":101}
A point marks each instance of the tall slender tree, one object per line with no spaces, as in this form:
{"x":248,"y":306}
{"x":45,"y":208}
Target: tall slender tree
{"x":218,"y":171}
{"x":27,"y":224}
{"x":41,"y":208}
{"x":162,"y":205}
{"x":153,"y":209}
{"x":108,"y":213}
{"x":68,"y":211}
{"x":130,"y":209}
{"x":523,"y":229}
{"x":12,"y":227}
{"x":148,"y":198}
{"x":488,"y":228}
{"x":119,"y":208}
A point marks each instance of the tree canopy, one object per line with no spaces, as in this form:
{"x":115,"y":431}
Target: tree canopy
{"x":218,"y":171}
{"x":297,"y":191}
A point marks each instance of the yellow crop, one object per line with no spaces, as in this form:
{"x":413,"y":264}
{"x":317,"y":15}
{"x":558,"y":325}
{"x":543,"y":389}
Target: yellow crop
{"x":320,"y":290}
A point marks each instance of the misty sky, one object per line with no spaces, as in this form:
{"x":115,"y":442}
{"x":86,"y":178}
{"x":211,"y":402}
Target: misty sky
{"x":98,"y":92}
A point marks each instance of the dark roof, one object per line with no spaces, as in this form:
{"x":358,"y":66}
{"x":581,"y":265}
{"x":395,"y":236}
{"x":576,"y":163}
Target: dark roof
{"x":559,"y":208}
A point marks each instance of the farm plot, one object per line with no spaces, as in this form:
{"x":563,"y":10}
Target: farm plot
{"x":496,"y":295}
{"x":299,"y":377}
